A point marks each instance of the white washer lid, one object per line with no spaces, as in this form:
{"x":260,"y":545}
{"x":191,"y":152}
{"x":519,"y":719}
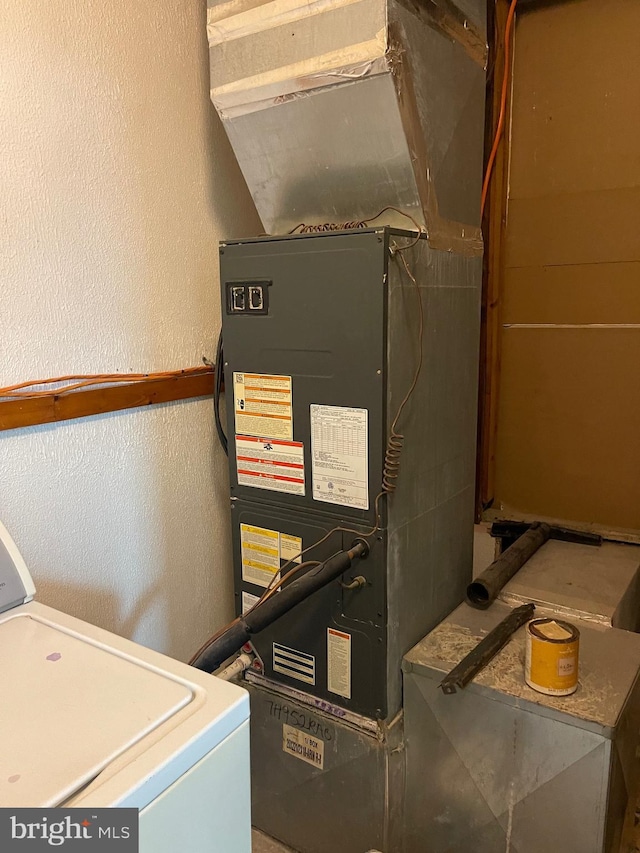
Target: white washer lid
{"x":68,"y":707}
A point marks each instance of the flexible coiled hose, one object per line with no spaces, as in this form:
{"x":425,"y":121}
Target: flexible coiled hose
{"x":391,"y":467}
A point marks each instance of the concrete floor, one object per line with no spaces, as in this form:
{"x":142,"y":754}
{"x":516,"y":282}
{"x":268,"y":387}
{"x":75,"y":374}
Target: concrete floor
{"x":262,"y":843}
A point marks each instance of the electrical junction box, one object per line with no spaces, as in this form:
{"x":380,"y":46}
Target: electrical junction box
{"x":315,"y":377}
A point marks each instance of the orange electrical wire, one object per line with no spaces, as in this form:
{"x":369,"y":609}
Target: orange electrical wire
{"x":85,"y":380}
{"x":503,"y":105}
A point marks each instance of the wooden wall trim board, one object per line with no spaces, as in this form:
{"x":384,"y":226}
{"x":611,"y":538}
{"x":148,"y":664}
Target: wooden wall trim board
{"x":51,"y":408}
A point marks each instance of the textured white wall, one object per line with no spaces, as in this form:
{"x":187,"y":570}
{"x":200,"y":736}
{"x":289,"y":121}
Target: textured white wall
{"x":117,"y":182}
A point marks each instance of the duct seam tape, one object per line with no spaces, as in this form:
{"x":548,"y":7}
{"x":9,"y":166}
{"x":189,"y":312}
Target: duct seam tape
{"x":350,"y":63}
{"x":241,"y":22}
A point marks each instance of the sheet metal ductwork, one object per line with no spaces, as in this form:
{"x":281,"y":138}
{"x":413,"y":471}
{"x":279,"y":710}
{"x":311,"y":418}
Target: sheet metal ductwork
{"x":337,"y":109}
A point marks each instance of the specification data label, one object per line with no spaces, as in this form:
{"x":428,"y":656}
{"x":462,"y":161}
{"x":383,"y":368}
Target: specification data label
{"x":340,"y":455}
{"x":304,"y":746}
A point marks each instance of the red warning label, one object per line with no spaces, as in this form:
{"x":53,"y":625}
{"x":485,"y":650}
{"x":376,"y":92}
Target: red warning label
{"x":269,"y":463}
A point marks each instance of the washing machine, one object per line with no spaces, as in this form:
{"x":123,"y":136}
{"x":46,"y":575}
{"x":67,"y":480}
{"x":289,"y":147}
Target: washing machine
{"x":89,"y":719}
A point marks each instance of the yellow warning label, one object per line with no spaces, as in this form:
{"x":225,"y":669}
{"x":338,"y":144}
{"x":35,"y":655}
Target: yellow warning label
{"x":255,"y":564}
{"x":263,"y":405}
{"x":262,"y":552}
{"x":260,"y":532}
{"x":261,"y":549}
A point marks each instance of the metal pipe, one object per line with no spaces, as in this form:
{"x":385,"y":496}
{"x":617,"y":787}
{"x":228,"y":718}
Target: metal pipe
{"x":513,"y":529}
{"x":484,"y":589}
{"x":486,"y":650}
{"x":356,"y":583}
{"x":277,"y":605}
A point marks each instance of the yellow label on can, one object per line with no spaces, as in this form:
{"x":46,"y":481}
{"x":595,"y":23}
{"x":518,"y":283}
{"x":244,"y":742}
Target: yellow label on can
{"x":551,"y":664}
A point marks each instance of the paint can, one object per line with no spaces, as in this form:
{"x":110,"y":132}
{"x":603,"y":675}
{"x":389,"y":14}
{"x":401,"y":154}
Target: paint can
{"x":551,"y":664}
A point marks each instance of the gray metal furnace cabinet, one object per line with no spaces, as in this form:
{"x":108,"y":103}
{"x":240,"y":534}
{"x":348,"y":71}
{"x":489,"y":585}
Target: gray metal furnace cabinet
{"x":328,"y":352}
{"x":499,"y":766}
{"x":346,"y":798}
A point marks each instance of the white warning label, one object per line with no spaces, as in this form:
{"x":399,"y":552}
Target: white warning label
{"x":339,"y":662}
{"x":262,"y":550}
{"x":340,"y":455}
{"x":248,"y":601}
{"x":271,"y":464}
{"x":263,"y":405}
{"x":303,"y":746}
{"x":290,"y":547}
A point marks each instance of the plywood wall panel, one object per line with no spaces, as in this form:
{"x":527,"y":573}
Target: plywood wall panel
{"x":576,"y":114}
{"x":576,"y":294}
{"x":568,"y":431}
{"x":591,"y":227}
{"x":569,"y":425}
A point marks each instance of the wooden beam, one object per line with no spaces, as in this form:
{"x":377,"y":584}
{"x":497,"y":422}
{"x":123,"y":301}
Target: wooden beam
{"x":30,"y":411}
{"x":494,"y":231}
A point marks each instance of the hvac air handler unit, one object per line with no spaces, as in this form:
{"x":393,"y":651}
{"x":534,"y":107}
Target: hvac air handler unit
{"x":324,"y":336}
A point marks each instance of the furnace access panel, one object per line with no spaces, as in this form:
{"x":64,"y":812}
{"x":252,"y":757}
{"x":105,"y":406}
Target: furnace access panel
{"x":312,"y":382}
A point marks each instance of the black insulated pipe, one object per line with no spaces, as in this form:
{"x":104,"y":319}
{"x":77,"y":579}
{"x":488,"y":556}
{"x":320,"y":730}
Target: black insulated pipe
{"x":484,"y":589}
{"x":277,"y":605}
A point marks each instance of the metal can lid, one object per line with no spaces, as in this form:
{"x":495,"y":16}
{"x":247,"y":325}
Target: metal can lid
{"x":553,"y":630}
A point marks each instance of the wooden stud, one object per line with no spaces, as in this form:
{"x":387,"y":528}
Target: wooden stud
{"x":494,"y":231}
